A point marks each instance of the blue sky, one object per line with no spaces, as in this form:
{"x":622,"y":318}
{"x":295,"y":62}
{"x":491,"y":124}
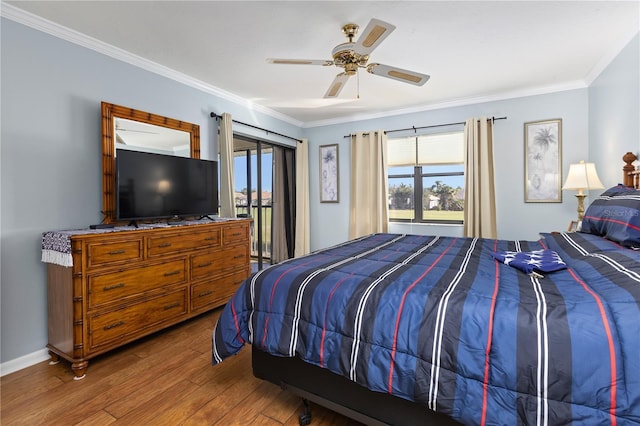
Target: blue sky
{"x":240,"y":172}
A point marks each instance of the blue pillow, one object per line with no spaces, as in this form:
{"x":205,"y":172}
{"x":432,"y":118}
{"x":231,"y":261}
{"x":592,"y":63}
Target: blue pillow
{"x":618,"y":189}
{"x":615,"y":215}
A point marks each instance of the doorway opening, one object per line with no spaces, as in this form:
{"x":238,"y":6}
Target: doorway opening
{"x":253,"y":189}
{"x":264,"y":189}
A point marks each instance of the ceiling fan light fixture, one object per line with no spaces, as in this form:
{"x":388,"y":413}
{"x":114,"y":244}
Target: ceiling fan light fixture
{"x":351,"y":68}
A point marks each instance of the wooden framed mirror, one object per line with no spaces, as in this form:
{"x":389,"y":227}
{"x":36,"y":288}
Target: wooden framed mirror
{"x":142,"y":131}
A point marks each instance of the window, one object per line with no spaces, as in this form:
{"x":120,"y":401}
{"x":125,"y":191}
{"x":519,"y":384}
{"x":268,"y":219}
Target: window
{"x":426,"y":178}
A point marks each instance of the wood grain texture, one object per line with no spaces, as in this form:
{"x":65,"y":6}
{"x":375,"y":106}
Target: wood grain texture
{"x":130,"y":283}
{"x":162,"y":379}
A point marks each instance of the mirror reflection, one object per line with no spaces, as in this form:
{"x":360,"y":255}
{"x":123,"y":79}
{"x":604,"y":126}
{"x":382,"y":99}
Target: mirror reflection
{"x":138,"y":136}
{"x":135,"y":130}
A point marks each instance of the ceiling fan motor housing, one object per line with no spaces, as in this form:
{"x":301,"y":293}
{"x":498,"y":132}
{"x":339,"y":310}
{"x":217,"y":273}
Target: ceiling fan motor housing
{"x":346,"y":57}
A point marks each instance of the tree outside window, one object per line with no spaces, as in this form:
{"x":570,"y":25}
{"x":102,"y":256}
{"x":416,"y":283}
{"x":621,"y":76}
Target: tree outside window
{"x":426,"y":178}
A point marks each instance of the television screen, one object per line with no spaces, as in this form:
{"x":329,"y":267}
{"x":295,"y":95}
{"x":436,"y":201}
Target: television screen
{"x":153,"y":186}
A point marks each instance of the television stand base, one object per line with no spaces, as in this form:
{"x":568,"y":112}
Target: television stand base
{"x":102,"y":226}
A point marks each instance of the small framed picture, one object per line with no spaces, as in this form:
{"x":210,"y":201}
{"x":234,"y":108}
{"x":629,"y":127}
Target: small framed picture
{"x":543,"y":161}
{"x":329,"y":179}
{"x":574,"y":226}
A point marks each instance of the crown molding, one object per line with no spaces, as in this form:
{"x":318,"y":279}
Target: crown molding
{"x":501,"y":96}
{"x":610,"y":56}
{"x":18,"y":15}
{"x":44,"y":25}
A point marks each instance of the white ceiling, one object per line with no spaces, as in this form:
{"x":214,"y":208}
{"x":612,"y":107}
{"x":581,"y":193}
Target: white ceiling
{"x":473,"y":50}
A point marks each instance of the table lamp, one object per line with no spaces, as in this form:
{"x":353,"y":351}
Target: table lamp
{"x":582,"y":176}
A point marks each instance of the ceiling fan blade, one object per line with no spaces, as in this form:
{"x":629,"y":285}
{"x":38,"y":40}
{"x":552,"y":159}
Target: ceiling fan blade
{"x":374,"y":33}
{"x":299,"y":61}
{"x":337,"y":85}
{"x":399,"y":74}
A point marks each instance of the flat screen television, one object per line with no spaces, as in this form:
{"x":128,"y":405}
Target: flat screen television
{"x":157,"y":186}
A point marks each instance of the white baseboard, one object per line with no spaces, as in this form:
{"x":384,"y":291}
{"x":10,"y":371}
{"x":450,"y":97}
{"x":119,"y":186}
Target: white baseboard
{"x":23,"y":362}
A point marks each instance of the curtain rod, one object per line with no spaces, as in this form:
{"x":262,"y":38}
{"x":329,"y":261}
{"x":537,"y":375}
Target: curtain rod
{"x":216,"y":116}
{"x":433,"y":125}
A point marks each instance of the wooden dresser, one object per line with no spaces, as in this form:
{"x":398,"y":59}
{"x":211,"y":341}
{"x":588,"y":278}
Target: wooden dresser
{"x":126,"y":284}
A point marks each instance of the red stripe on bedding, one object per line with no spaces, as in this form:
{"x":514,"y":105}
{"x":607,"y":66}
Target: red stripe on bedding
{"x":612,"y":352}
{"x":404,"y":297}
{"x":489,"y":340}
{"x":619,"y":222}
{"x":273,"y":291}
{"x":326,"y":312}
{"x":235,"y":322}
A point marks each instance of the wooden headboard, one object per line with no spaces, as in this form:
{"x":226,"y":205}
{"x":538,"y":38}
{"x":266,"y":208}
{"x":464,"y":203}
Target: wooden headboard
{"x":630,"y":176}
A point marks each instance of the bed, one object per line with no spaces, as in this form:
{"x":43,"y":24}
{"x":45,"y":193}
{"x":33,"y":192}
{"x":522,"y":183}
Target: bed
{"x":407,"y":329}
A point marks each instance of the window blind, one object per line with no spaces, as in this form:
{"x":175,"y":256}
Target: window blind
{"x":441,"y":148}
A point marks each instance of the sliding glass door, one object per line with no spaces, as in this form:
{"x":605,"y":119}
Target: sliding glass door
{"x":253,"y":171}
{"x":264,"y":180}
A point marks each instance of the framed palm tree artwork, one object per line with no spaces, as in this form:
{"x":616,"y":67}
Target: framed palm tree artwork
{"x":543,"y":161}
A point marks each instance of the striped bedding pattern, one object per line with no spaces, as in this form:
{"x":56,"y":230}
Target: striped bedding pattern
{"x":615,"y":215}
{"x":438,"y":321}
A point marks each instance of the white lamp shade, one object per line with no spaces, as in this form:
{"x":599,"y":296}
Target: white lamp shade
{"x":582,"y":176}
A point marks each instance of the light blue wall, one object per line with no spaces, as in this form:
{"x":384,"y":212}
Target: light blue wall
{"x":516,"y":219}
{"x":614,"y":112}
{"x":50,"y":154}
{"x":50,"y":175}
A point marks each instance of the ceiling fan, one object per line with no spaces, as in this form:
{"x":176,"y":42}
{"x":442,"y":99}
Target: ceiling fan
{"x":352,"y":56}
{"x":120,"y":129}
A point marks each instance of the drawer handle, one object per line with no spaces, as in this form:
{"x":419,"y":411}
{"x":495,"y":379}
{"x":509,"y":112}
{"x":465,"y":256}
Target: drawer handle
{"x":168,"y":274}
{"x":171,"y":306}
{"x":113,"y":287}
{"x":205,"y":293}
{"x":114,"y":325}
{"x":238,"y":256}
{"x":114,"y":252}
{"x":203,"y":265}
{"x":210,"y":239}
{"x":164,"y":245}
{"x":235,"y":234}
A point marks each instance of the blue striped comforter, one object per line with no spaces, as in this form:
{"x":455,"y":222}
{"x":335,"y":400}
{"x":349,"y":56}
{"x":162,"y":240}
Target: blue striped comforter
{"x":439,"y":321}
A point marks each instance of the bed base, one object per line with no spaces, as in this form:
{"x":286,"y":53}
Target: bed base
{"x":341,"y":395}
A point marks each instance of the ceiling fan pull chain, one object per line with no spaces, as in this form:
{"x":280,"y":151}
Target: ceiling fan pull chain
{"x":358,"y":85}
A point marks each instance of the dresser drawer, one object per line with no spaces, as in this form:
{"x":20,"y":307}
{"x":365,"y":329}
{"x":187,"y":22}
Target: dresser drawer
{"x":113,"y":252}
{"x":124,"y":324}
{"x":119,"y":285}
{"x":210,"y":263}
{"x":235,"y":233}
{"x":162,"y":245}
{"x":216,"y":292}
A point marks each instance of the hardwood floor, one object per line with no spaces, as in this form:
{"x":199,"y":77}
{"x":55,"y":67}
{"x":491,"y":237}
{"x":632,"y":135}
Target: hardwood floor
{"x":163,"y":379}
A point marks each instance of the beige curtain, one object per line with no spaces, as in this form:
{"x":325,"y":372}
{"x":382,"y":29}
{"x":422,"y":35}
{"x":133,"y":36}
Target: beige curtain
{"x":225,"y":141}
{"x":302,"y":244}
{"x":480,"y":195}
{"x":369,"y":211}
